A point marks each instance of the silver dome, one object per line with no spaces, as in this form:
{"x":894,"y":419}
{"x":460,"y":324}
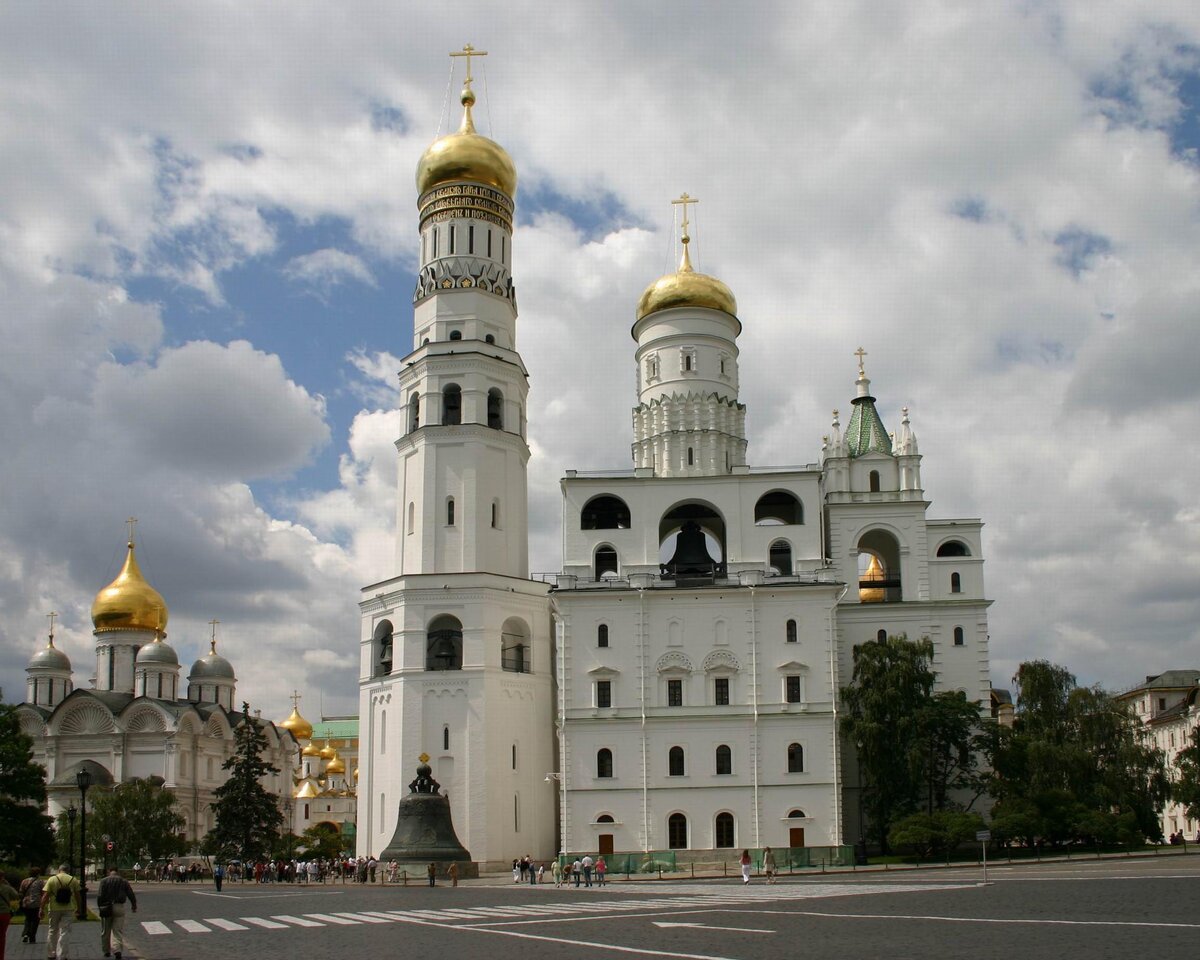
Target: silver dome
{"x":213,"y":666}
{"x":49,"y":658}
{"x":158,"y":652}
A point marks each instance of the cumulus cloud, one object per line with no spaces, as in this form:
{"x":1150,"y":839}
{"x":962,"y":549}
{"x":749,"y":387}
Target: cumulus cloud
{"x":325,"y":269}
{"x":995,"y":202}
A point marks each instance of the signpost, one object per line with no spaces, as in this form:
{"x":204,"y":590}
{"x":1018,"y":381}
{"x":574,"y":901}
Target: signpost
{"x":983,"y":836}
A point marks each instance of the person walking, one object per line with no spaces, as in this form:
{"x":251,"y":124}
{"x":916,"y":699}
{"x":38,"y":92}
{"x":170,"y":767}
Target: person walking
{"x":588,"y":862}
{"x":218,"y":876}
{"x":746,"y":864}
{"x":601,"y":870}
{"x":557,"y":870}
{"x":61,"y":898}
{"x":8,"y":899}
{"x":31,"y":903}
{"x":111,"y":898}
{"x":769,"y":864}
{"x":432,"y":871}
{"x":577,"y":872}
{"x":452,"y":873}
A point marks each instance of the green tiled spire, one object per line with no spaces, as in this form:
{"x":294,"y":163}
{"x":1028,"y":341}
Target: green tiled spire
{"x":865,"y":432}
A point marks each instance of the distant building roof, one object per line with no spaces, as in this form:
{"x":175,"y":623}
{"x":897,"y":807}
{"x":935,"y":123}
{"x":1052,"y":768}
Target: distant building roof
{"x":336,"y":728}
{"x":1168,"y":680}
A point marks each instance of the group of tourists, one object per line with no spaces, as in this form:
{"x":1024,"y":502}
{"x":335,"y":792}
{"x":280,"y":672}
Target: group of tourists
{"x":58,"y":900}
{"x":582,"y":870}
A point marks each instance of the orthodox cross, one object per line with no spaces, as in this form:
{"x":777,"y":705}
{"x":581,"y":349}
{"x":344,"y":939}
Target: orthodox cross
{"x":860,"y":353}
{"x":131,"y":521}
{"x":52,"y":615}
{"x":684,"y":200}
{"x":468,"y":51}
{"x":213,"y":641}
{"x":296,"y":700}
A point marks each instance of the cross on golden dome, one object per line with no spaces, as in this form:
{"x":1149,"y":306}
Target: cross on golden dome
{"x":52,"y":615}
{"x":468,"y":51}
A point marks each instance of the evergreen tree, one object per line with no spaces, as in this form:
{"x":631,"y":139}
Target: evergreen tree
{"x":247,"y":817}
{"x":140,"y":818}
{"x":25,"y":833}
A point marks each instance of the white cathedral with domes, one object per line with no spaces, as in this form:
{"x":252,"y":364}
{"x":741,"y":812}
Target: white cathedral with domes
{"x":135,"y":721}
{"x":676,"y":687}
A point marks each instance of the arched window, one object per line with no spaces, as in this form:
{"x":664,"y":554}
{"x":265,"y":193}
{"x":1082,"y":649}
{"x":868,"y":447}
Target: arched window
{"x":795,"y":758}
{"x":602,"y":635}
{"x":444,"y":644}
{"x":489,"y":339}
{"x":724,"y":758}
{"x":606,"y":562}
{"x":675,"y":765}
{"x":795,"y":815}
{"x":604,"y":513}
{"x":446,"y":737}
{"x":723,"y":832}
{"x":412,"y":515}
{"x":605,"y":818}
{"x":687,"y":362}
{"x":955,"y":583}
{"x":959,"y":637}
{"x":778,"y":507}
{"x":881,"y":636}
{"x":677,"y":832}
{"x":604,"y":766}
{"x":383,"y":648}
{"x":495,"y":409}
{"x":790,"y":633}
{"x":781,"y":558}
{"x":515,"y":647}
{"x":449,"y":511}
{"x":874,"y":479}
{"x":414,"y":412}
{"x":455,"y":334}
{"x":452,"y":404}
{"x":953,"y":548}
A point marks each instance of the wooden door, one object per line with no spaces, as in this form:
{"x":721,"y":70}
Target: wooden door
{"x":796,"y":837}
{"x":606,"y":844}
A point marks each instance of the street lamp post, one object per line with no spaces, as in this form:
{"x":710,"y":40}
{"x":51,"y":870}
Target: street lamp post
{"x":72,"y":813}
{"x":83,"y":780}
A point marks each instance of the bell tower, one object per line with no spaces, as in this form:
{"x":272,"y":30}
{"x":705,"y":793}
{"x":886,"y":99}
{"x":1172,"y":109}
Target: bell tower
{"x":456,"y":652}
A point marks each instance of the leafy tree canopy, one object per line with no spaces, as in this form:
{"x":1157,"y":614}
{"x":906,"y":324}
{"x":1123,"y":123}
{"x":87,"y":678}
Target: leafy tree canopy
{"x":25,"y":833}
{"x":141,"y":819}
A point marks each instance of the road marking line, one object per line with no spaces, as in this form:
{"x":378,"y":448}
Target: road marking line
{"x":224,"y":924}
{"x":265,"y":924}
{"x":1036,"y":922}
{"x":191,"y":926}
{"x":362,"y":917}
{"x":296,"y":921}
{"x":706,"y":926}
{"x":330,"y":918}
{"x":593,"y":918}
{"x":155,"y":929}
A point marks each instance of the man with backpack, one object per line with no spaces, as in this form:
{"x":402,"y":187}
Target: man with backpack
{"x":110,"y":904}
{"x":61,"y":898}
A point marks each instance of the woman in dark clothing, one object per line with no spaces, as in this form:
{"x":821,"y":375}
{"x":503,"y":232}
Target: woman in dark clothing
{"x":31,"y":900}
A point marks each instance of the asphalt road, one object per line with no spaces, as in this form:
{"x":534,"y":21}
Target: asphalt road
{"x":1092,"y":909}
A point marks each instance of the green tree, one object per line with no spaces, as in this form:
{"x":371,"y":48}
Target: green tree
{"x":950,"y":743}
{"x":25,"y":833}
{"x":140,"y":818}
{"x":885,"y":702}
{"x":926,"y":835}
{"x":1074,"y":758}
{"x":322,"y":841}
{"x":1186,"y":788}
{"x":247,"y":817}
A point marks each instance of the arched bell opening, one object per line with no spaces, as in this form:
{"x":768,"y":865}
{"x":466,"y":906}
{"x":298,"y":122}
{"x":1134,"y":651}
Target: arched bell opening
{"x":691,"y":539}
{"x":604,"y":513}
{"x":452,"y":404}
{"x":382,"y":641}
{"x":515,"y":648}
{"x":778,"y":508}
{"x":780,"y":558}
{"x":444,"y":644}
{"x":878,"y":568}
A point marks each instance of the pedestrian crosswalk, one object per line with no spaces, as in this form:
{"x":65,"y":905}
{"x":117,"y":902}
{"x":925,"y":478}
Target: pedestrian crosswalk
{"x":663,"y":899}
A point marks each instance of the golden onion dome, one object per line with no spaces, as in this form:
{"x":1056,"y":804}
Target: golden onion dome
{"x":874,"y":571}
{"x":129,"y":602}
{"x":300,"y":728}
{"x":466,"y":155}
{"x":327,"y":752}
{"x":310,"y":750}
{"x":336,"y":766}
{"x":686,"y":288}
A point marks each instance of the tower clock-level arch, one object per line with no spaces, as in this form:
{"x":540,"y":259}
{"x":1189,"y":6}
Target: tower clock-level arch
{"x":444,"y":644}
{"x":879,"y":571}
{"x":604,"y":512}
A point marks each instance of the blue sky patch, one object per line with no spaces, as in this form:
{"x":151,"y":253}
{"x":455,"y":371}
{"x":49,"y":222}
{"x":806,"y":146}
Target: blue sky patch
{"x":1077,"y":248}
{"x":595,"y":215}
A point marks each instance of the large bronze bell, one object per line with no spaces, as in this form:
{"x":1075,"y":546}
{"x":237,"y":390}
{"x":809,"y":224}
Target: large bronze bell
{"x":424,"y":827}
{"x":691,"y":557}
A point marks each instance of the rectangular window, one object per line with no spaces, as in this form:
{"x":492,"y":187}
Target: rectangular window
{"x":382,"y":810}
{"x":452,"y":231}
{"x":435,"y":241}
{"x":674,"y":693}
{"x":721,"y":691}
{"x":514,"y":756}
{"x":471,"y":238}
{"x":603,"y":693}
{"x":489,"y":244}
{"x":792,"y":692}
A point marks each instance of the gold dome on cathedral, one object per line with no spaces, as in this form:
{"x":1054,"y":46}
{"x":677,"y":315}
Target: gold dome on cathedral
{"x":466,"y":155}
{"x":686,"y":288}
{"x":337,"y":766}
{"x":129,"y":602}
{"x":300,"y":728}
{"x":327,"y":752}
{"x":310,"y":750}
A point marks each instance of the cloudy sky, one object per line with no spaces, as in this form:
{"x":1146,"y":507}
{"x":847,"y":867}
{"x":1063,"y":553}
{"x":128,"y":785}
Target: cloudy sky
{"x":208,"y":233}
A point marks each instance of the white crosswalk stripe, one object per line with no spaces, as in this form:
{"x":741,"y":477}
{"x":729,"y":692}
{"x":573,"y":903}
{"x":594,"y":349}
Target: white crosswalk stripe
{"x":265,"y":924}
{"x":224,"y":924}
{"x":192,"y":926}
{"x":332,"y":918}
{"x":361,"y":917}
{"x":155,"y":929}
{"x":296,"y":921}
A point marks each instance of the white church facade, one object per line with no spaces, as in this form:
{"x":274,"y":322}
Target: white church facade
{"x":676,"y":687}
